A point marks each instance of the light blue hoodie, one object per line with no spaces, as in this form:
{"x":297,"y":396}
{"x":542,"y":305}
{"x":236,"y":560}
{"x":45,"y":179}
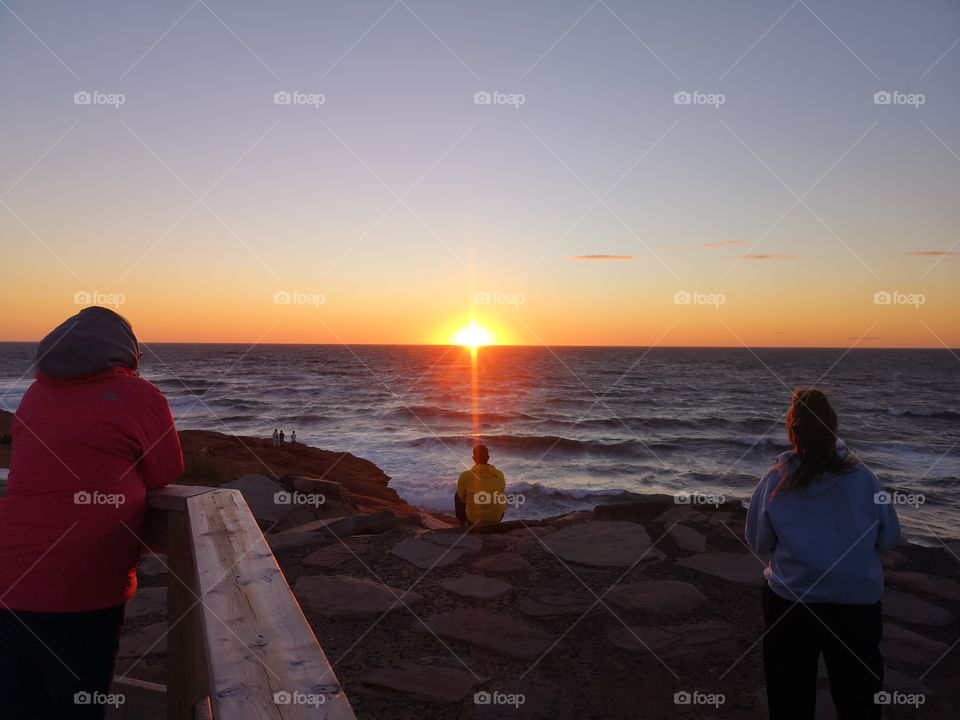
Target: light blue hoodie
{"x":825,"y":539}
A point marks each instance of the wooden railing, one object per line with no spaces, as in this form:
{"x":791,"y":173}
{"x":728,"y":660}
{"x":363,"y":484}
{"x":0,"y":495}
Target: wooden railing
{"x":238,"y":646}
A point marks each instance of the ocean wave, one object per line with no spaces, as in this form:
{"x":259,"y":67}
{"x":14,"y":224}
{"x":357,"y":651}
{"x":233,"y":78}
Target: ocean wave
{"x":433,"y":411}
{"x":925,"y":414}
{"x":548,"y":444}
{"x":760,"y":424}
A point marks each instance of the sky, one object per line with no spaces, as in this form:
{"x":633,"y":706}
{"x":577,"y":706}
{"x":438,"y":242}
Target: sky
{"x":562,"y":172}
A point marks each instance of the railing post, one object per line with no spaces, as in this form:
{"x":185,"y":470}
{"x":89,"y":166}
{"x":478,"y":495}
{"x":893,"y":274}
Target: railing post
{"x":186,"y":663}
{"x":168,"y":522}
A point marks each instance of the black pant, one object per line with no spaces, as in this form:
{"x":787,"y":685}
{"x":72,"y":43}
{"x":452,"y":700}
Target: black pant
{"x":52,"y":663}
{"x":849,"y":638}
{"x":460,"y":508}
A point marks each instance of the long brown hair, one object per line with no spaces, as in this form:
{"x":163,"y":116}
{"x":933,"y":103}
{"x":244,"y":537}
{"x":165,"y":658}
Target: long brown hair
{"x":812,"y":430}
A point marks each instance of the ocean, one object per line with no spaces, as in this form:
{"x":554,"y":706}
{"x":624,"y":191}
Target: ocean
{"x":572,"y":427}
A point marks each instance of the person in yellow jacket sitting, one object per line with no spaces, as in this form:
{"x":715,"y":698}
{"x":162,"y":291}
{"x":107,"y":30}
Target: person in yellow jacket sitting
{"x":480,"y":497}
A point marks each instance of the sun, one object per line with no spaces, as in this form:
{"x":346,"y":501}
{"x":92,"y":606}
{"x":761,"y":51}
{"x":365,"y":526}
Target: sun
{"x":473,"y":336}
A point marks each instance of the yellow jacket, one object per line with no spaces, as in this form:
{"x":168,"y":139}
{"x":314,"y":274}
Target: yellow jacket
{"x":481,"y":489}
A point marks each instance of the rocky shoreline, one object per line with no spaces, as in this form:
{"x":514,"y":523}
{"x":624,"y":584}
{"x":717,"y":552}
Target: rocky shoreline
{"x":624,"y":611}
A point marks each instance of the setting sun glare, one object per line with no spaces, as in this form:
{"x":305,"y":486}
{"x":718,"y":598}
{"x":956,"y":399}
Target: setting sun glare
{"x":473,"y":336}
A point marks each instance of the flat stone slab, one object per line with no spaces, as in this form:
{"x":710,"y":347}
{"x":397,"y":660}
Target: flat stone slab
{"x":427,"y":555}
{"x":911,"y":609}
{"x":922,"y":582}
{"x":905,"y":647}
{"x":737,"y":567}
{"x":670,"y":640}
{"x":503,"y":543}
{"x":953,"y":549}
{"x":434,"y":684}
{"x":544,"y":605}
{"x":333,"y":556}
{"x":680,"y":515}
{"x":493,"y":632}
{"x":602,"y":543}
{"x":458,"y":541}
{"x":147,"y":601}
{"x":260,"y":492}
{"x":339,"y":596}
{"x":477,"y":587}
{"x":148,"y":640}
{"x":293,"y":540}
{"x":689,"y":539}
{"x":343,"y":526}
{"x":503,"y":564}
{"x":657,"y":596}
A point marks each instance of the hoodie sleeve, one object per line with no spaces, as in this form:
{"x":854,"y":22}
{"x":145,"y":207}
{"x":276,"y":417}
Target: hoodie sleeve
{"x":759,"y":533}
{"x":162,"y":460}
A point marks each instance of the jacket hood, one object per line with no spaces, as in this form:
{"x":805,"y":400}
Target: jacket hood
{"x":93,"y":340}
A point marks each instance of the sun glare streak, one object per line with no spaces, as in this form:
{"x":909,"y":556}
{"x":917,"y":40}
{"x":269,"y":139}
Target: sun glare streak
{"x":473,"y":337}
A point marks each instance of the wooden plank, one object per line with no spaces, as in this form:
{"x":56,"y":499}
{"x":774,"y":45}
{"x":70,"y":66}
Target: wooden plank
{"x":174,"y":497}
{"x":202,"y":710}
{"x":261,"y":650}
{"x":187,"y":681}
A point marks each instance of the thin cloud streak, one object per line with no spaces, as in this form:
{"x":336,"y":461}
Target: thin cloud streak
{"x":601,"y":257}
{"x":767,"y":256}
{"x":725,"y":243}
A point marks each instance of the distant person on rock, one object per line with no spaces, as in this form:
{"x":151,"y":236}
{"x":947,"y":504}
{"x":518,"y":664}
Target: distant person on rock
{"x":293,"y":437}
{"x":824,"y":518}
{"x":480,"y":498}
{"x":90,"y":437}
{"x":276,"y":438}
{"x":281,"y":437}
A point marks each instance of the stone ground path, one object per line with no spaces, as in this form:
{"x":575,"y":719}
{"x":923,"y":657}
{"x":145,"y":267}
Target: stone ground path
{"x":582,"y":619}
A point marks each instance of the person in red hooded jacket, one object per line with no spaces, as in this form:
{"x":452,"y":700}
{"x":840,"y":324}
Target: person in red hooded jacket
{"x":88,"y":439}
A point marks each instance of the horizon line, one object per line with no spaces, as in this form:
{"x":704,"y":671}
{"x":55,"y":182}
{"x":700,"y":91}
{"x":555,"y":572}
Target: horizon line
{"x":524,"y":346}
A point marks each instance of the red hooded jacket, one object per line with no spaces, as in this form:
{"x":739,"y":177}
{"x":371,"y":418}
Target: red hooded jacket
{"x":84,"y":452}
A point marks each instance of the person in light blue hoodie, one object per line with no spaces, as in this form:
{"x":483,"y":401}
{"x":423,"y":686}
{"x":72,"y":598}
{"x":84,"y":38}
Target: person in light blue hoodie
{"x":824,"y":518}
